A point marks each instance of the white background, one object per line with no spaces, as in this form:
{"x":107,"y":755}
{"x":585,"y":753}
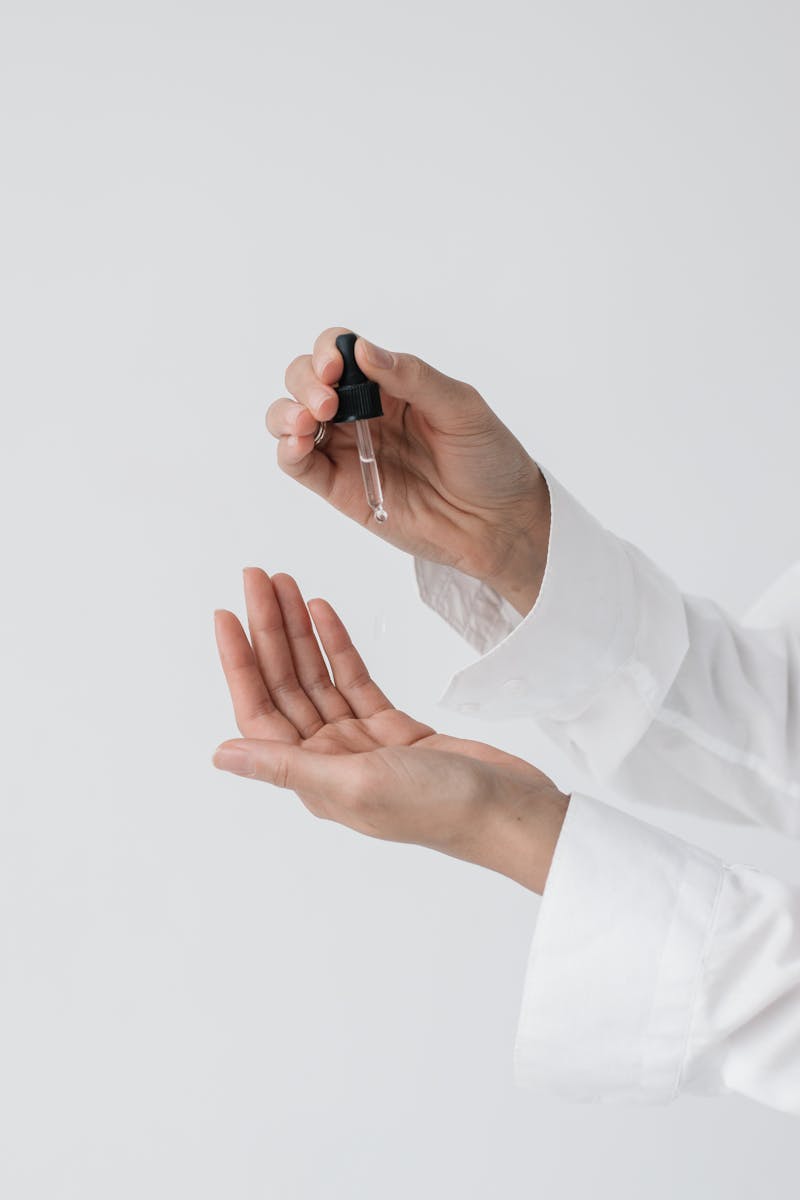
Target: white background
{"x":589,"y":211}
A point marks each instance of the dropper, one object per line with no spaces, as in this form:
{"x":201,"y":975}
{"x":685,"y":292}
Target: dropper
{"x":359,"y":401}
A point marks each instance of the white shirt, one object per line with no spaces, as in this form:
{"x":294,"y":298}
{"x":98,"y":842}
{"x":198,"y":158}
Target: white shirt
{"x":655,"y":967}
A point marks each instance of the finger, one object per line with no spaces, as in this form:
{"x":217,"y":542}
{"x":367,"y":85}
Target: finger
{"x":256,"y":715}
{"x":350,"y":674}
{"x":322,"y":778}
{"x":438,"y":397}
{"x":273,"y":655}
{"x":404,"y":376}
{"x":326,"y":360}
{"x":309,"y":390}
{"x":311,"y":668}
{"x":286,"y":417}
{"x":298,"y":457}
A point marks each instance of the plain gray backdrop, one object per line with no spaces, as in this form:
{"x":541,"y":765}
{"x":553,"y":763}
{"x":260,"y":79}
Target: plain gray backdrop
{"x":587,"y":210}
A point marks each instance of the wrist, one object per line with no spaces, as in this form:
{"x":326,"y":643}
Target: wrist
{"x":519,"y":581}
{"x":525,"y":832}
{"x":521,"y":590}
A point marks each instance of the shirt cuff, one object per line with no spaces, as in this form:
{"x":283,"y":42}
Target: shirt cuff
{"x":593,"y":659}
{"x":616,"y":960}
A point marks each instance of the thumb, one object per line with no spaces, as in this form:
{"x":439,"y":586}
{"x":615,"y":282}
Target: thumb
{"x":416,"y":381}
{"x":287,"y":766}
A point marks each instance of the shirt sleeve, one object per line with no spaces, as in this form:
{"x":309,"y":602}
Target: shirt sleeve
{"x":661,"y":695}
{"x":656,"y":969}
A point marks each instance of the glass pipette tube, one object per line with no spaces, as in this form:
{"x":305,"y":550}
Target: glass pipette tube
{"x":369,"y":471}
{"x":360,"y":402}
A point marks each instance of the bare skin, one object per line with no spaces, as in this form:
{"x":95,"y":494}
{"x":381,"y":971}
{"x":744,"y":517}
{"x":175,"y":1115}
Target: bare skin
{"x":460,"y":489}
{"x":327,"y":732}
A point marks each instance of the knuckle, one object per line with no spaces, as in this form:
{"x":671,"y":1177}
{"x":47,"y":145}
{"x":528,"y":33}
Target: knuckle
{"x":288,"y":460}
{"x":310,"y":727}
{"x":287,"y":687}
{"x":416,"y":368}
{"x":423,"y":369}
{"x":272,"y":419}
{"x":325,"y":344}
{"x":300,"y":468}
{"x":283,"y":463}
{"x":359,"y":679}
{"x":327,"y":339}
{"x":319,"y":684}
{"x":282,"y":772}
{"x":423,"y":375}
{"x":293,"y":370}
{"x":261,"y":709}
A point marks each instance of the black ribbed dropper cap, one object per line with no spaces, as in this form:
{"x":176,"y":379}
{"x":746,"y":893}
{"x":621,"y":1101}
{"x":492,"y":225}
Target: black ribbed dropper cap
{"x":359,"y":397}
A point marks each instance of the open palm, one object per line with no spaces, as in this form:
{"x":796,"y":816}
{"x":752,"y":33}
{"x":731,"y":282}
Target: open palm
{"x":338,"y":742}
{"x":281,"y":687}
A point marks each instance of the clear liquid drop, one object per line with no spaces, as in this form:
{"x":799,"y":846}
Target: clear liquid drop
{"x":381,"y":515}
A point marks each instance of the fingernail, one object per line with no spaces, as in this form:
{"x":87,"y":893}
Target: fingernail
{"x":324,"y":367}
{"x":377,"y":356}
{"x":319,"y":400}
{"x":238,"y":762}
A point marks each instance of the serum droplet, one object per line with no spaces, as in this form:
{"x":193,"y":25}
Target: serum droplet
{"x":381,"y":515}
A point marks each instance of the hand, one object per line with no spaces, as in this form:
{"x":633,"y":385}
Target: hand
{"x":459,"y":487}
{"x":352,"y":757}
